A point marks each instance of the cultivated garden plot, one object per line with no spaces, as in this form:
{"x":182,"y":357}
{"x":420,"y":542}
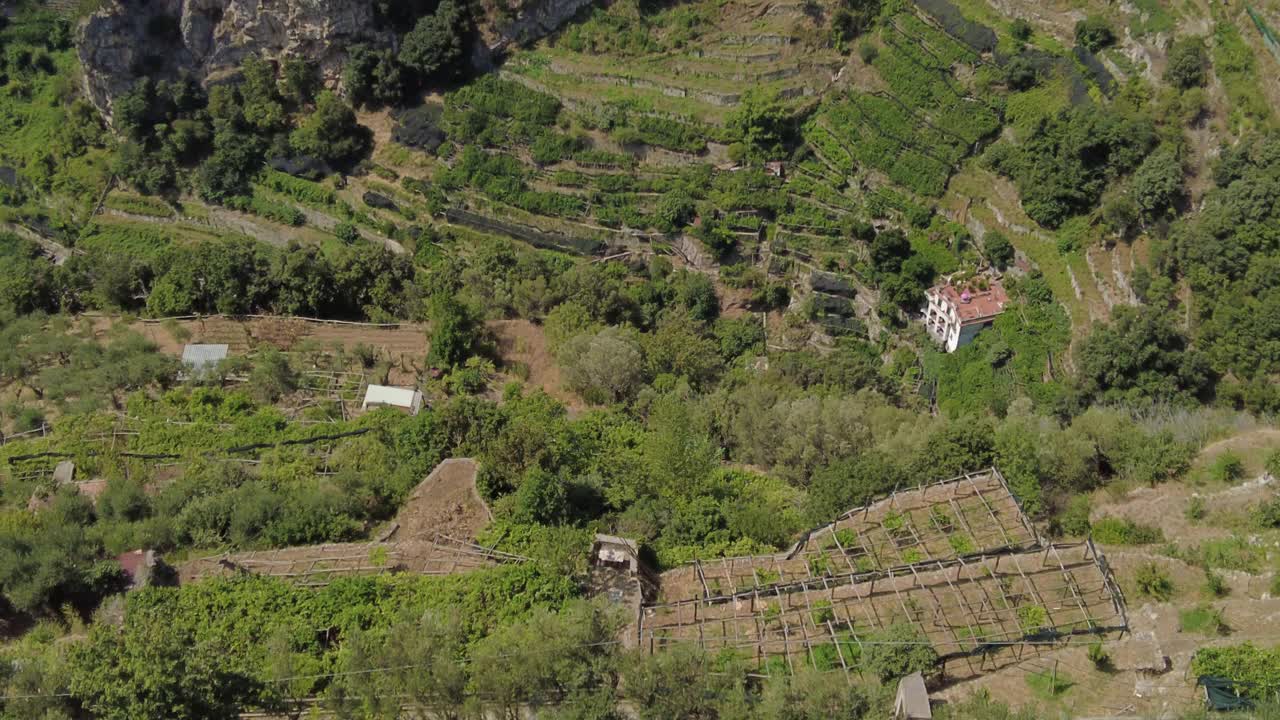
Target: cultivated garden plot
{"x":978,"y":613}
{"x":317,"y":565}
{"x":431,"y":535}
{"x":973,"y":514}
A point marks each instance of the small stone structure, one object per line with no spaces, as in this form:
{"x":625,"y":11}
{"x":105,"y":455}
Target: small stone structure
{"x":912,"y":701}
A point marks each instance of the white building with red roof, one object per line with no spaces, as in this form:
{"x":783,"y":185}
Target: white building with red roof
{"x":954,"y":315}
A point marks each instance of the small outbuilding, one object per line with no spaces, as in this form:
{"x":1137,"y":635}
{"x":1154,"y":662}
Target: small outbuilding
{"x":912,"y":702}
{"x":407,"y":399}
{"x":200,"y":359}
{"x":615,"y":552}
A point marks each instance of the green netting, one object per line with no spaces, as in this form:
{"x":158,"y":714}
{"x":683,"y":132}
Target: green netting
{"x":1223,"y":694}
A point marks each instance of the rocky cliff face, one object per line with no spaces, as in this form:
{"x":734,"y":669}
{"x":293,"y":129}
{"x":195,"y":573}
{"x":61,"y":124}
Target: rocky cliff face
{"x":210,"y":38}
{"x":528,"y":20}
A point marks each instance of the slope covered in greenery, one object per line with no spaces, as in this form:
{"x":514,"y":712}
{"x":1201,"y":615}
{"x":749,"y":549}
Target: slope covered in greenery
{"x":712,"y":225}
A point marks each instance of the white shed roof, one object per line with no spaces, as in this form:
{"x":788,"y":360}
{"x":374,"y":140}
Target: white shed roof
{"x":202,"y":357}
{"x":397,"y":396}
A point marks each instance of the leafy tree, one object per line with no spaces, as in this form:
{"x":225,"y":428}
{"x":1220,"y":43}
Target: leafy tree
{"x":890,"y":661}
{"x":548,"y":656}
{"x":542,"y":498}
{"x":373,"y":77}
{"x":810,"y":695}
{"x":455,"y":333}
{"x":1064,"y":166}
{"x":230,"y":169}
{"x":739,"y":336}
{"x":304,"y":281}
{"x":272,"y":377}
{"x":852,"y":18}
{"x":1120,"y":213}
{"x":227,"y":277}
{"x":697,"y":294}
{"x":762,"y":122}
{"x":1142,"y":355}
{"x":436,"y":45}
{"x":677,"y":450}
{"x":422,"y":654}
{"x":1157,"y":183}
{"x":683,"y":683}
{"x":301,"y":81}
{"x":331,"y":133}
{"x":997,"y":248}
{"x":1188,"y":63}
{"x":27,"y":282}
{"x":1094,"y":33}
{"x":156,"y":669}
{"x":262,"y":107}
{"x":1021,"y":74}
{"x":851,"y":483}
{"x":889,"y":250}
{"x":606,"y":366}
{"x":50,"y":560}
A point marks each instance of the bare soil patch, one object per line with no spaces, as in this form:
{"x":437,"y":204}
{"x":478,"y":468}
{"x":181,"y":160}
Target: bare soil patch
{"x":446,"y":503}
{"x":523,"y":343}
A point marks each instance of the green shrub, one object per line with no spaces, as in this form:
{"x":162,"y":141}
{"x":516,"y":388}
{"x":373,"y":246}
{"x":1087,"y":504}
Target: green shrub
{"x":1196,"y":509}
{"x":1094,"y":33}
{"x":1154,"y":583}
{"x":1021,"y":30}
{"x":1227,"y":467}
{"x":1233,"y":553}
{"x":1049,"y":684}
{"x":299,"y":189}
{"x":139,"y":205}
{"x":1074,"y":520}
{"x":1122,"y":531}
{"x":1215,"y":585}
{"x":1204,"y":620}
{"x":1032,"y":619}
{"x":1099,"y":656}
{"x":346,"y":232}
{"x":262,"y":207}
{"x":890,"y":661}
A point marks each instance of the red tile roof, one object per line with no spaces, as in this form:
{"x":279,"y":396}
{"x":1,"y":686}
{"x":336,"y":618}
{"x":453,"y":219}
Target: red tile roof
{"x":974,"y":305}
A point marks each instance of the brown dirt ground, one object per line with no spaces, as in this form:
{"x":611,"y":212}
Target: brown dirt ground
{"x":520,"y":341}
{"x":446,"y":502}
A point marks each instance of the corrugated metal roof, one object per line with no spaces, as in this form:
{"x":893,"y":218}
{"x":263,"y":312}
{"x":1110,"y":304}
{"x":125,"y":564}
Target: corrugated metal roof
{"x":397,"y":396}
{"x":202,"y":357}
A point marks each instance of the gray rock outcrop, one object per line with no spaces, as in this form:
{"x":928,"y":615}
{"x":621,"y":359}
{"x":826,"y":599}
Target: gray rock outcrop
{"x":209,"y":39}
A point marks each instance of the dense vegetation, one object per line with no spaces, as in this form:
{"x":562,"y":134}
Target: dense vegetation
{"x":679,"y":423}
